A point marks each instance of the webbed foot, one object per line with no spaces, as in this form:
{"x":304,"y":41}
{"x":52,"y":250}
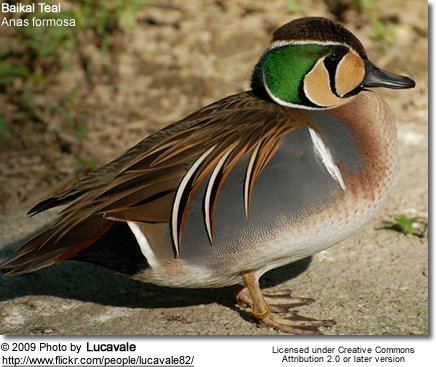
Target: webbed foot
{"x":274,"y":309}
{"x":293,"y":323}
{"x":278,"y":301}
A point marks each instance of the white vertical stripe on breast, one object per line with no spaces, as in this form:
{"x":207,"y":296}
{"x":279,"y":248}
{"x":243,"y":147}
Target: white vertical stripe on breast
{"x":324,"y":154}
{"x":144,"y":245}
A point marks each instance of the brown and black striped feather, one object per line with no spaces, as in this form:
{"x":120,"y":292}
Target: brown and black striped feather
{"x":141,"y":184}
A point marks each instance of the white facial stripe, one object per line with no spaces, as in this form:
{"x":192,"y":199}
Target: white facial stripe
{"x":282,"y":43}
{"x":326,"y":158}
{"x":144,"y":245}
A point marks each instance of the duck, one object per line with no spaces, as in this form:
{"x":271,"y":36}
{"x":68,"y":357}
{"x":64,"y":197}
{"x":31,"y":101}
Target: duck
{"x":249,"y":183}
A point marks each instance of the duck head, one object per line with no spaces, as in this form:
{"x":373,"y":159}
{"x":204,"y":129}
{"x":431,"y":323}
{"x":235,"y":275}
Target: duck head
{"x":315,"y":63}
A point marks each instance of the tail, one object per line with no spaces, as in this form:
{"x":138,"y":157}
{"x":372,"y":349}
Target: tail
{"x":61,"y":241}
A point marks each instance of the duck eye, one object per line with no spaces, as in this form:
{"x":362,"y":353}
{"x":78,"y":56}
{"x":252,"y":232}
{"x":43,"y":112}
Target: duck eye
{"x":334,"y":57}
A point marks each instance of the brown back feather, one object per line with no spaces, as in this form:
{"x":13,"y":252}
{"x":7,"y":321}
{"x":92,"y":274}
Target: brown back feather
{"x":141,"y":185}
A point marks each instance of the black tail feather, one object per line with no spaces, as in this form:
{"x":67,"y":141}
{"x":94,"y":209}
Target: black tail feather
{"x":117,"y":250}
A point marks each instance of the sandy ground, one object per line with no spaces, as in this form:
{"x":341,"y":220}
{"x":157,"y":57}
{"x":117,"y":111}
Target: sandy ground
{"x":375,"y":282}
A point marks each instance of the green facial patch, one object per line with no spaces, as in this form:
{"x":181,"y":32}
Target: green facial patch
{"x":284,"y":69}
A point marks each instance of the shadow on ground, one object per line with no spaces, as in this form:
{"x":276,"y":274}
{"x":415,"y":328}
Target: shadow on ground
{"x":90,"y":283}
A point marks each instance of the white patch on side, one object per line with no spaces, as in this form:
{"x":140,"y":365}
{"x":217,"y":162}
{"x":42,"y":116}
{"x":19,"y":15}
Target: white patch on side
{"x":144,"y":245}
{"x":326,"y":158}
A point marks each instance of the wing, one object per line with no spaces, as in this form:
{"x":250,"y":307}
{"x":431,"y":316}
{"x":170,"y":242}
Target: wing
{"x":153,"y":181}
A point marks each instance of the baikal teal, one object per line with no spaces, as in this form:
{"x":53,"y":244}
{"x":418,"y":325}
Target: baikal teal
{"x":252,"y":182}
{"x":31,"y":8}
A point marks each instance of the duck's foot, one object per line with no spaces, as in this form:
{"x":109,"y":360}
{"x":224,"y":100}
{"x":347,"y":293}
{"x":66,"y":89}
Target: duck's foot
{"x":273,"y":309}
{"x":278,"y":301}
{"x":291,"y":322}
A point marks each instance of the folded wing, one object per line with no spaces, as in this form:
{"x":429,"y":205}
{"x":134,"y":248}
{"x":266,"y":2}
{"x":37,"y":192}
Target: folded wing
{"x":153,"y":181}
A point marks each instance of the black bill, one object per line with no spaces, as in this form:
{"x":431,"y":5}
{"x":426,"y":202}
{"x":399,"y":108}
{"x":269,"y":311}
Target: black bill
{"x":376,"y":77}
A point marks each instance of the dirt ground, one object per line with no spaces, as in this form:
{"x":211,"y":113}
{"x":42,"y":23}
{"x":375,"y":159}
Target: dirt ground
{"x":177,"y":59}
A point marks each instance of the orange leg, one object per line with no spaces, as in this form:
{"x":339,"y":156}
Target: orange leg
{"x":273,"y":309}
